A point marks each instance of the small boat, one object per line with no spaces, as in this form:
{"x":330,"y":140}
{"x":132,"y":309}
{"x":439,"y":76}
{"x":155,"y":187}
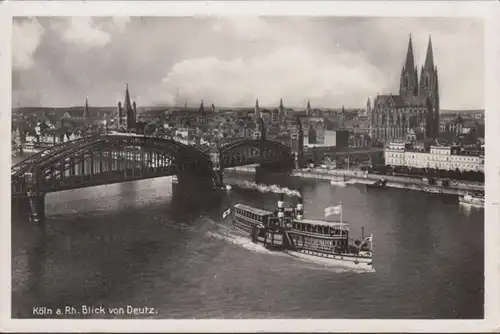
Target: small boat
{"x":338,"y":183}
{"x":472,"y":199}
{"x":379,"y":184}
{"x":432,"y":191}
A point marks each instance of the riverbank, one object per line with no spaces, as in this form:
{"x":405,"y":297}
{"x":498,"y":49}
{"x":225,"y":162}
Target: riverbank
{"x":358,"y":177}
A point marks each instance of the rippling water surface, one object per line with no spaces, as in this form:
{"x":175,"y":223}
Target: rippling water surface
{"x":156,"y":244}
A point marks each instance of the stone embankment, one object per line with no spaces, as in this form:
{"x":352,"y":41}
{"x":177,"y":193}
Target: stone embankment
{"x":360,"y":177}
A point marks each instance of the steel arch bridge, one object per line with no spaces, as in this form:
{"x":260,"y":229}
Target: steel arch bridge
{"x":253,"y":151}
{"x":108,"y":159}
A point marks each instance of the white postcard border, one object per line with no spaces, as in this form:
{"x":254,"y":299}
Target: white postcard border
{"x":490,"y":11}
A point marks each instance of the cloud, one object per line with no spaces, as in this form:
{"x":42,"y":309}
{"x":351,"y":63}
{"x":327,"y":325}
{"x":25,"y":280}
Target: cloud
{"x":84,"y":31}
{"x":329,"y":60}
{"x":120,"y":22}
{"x":244,"y":27}
{"x":26,"y":36}
{"x":89,"y":31}
{"x":294,"y":74}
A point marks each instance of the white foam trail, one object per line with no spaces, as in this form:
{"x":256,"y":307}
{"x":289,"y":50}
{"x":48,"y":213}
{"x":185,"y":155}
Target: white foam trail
{"x":209,"y":220}
{"x":272,"y":189}
{"x":243,"y":242}
{"x":319,"y":263}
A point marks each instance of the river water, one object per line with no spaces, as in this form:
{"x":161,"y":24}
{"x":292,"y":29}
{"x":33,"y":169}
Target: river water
{"x":155,"y":244}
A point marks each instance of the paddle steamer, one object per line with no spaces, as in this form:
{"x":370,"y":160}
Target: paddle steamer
{"x":286,"y":230}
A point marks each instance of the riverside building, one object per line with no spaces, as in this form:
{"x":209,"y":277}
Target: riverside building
{"x":448,"y":158}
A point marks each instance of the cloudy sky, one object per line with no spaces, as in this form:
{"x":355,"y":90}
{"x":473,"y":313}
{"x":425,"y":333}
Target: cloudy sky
{"x":330,"y":61}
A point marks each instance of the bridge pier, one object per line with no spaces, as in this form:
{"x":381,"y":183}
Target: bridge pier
{"x":297,"y":163}
{"x":37,"y":208}
{"x":31,"y":206}
{"x":218,"y":178}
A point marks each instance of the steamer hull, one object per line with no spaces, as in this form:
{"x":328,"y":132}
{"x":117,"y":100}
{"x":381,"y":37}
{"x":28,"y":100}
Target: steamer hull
{"x":334,"y":260}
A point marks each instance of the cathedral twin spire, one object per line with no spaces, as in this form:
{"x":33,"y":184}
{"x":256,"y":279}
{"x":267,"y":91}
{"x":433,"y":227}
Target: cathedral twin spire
{"x":429,"y":58}
{"x":410,"y":59}
{"x":409,"y":84}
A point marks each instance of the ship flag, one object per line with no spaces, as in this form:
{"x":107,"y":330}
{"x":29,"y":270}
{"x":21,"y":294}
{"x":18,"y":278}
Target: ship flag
{"x":226,"y":213}
{"x":333,"y":210}
{"x":367,"y":239}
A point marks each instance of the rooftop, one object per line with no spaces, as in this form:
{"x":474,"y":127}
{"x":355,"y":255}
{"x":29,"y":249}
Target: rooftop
{"x":252,"y":209}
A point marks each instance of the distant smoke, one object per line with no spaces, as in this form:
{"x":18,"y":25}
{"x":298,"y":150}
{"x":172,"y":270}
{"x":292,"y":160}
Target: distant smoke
{"x":271,"y":189}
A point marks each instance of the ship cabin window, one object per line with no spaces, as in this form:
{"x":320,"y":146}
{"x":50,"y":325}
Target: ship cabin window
{"x":302,"y":227}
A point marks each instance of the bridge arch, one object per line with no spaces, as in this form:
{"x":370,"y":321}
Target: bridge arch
{"x":106,"y":159}
{"x":254,"y":151}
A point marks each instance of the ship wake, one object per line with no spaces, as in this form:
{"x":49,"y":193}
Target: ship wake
{"x":241,"y":241}
{"x":228,"y":234}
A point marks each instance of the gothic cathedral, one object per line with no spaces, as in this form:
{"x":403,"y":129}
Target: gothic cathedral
{"x":415,"y":111}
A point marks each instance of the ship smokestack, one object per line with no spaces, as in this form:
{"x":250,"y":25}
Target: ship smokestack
{"x":300,"y":209}
{"x":281,"y":209}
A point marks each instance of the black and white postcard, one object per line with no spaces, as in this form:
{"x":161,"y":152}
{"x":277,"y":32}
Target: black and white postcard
{"x":294,"y":166}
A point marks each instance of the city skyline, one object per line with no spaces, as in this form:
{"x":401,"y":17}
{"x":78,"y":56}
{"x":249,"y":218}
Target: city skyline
{"x":56,"y":61}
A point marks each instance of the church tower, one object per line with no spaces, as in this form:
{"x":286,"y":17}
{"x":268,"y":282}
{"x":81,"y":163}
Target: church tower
{"x":86,"y":110}
{"x":308,"y":108}
{"x":281,"y":111}
{"x":130,"y":119}
{"x":202,"y":117}
{"x":257,"y":110}
{"x":408,"y":85}
{"x":429,"y":90}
